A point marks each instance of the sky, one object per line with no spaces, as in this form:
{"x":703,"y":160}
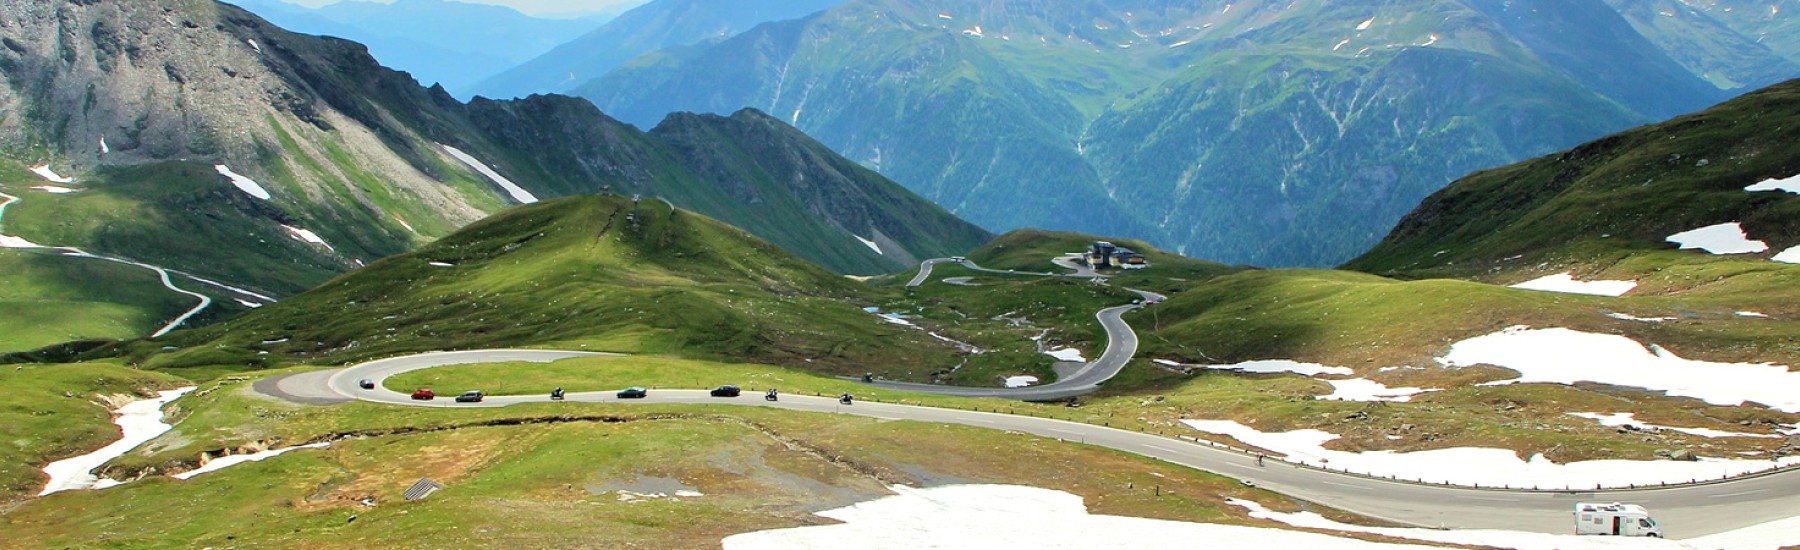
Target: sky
{"x":542,"y":8}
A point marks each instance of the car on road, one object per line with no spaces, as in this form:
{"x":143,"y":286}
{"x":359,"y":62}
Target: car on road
{"x":958,"y":259}
{"x":726,"y":391}
{"x":424,"y":394}
{"x":633,"y":392}
{"x":471,"y":396}
{"x":366,"y":384}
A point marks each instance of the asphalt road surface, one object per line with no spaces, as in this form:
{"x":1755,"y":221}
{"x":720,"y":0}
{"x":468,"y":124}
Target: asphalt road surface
{"x":1121,"y":346}
{"x":1685,"y":512}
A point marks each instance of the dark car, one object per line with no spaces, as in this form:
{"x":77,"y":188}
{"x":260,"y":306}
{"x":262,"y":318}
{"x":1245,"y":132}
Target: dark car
{"x":726,"y":391}
{"x":633,"y":392}
{"x":472,"y":396}
{"x":366,"y":384}
{"x":424,"y":394}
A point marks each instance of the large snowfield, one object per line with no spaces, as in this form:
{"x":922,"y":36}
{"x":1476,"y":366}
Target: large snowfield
{"x":1011,"y":516}
{"x":1558,"y":356}
{"x":1482,"y":466}
{"x":1563,"y":356}
{"x":1767,"y":536}
{"x":138,"y":421}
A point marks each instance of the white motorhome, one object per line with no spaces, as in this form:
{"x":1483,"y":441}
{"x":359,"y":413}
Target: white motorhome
{"x":1627,"y":520}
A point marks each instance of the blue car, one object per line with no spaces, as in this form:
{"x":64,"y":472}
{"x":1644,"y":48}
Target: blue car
{"x":633,"y":392}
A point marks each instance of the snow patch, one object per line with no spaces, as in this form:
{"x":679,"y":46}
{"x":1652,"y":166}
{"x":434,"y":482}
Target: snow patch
{"x":1278,"y":366}
{"x":1011,"y":516}
{"x":1067,"y":354}
{"x":1725,"y":238}
{"x":103,"y":148}
{"x":249,"y":304}
{"x":1563,"y":356}
{"x":1020,"y":381}
{"x":1617,"y":420}
{"x":49,"y":175}
{"x":1630,"y":317}
{"x":518,"y":193}
{"x":138,"y":421}
{"x":1362,"y":389}
{"x":306,"y":236}
{"x":1789,"y":256}
{"x":868,"y":243}
{"x":441,"y":264}
{"x":224,"y":462}
{"x":1483,"y":466}
{"x":55,"y":189}
{"x":1753,"y":314}
{"x":1366,"y":24}
{"x":248,"y":185}
{"x":1566,"y":283}
{"x":1791,"y":185}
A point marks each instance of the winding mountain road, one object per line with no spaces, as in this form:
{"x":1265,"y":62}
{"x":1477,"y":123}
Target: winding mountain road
{"x":1687,"y":511}
{"x":19,"y":243}
{"x":1121,"y":345}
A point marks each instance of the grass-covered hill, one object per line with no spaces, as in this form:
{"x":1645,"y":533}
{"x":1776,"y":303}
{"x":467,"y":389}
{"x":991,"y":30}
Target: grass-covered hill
{"x":600,"y":273}
{"x":1032,"y":249}
{"x":1612,"y":203}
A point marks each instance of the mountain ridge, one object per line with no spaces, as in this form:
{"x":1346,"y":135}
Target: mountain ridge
{"x":977,"y":104}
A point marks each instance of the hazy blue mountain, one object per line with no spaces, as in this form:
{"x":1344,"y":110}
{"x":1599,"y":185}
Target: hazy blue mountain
{"x":1771,"y":23}
{"x":652,"y":26}
{"x":1267,"y":132}
{"x":1724,"y":47}
{"x":438,"y":41}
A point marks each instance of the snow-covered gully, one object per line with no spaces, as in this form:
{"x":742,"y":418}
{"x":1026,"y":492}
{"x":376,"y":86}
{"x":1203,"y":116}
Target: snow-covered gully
{"x":139,"y":421}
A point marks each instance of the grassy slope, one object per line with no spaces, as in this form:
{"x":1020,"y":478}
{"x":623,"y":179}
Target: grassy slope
{"x":175,"y":214}
{"x":509,"y":485}
{"x":573,"y":274}
{"x":51,"y":299}
{"x":52,"y":412}
{"x":1596,"y":206}
{"x":1032,"y":249}
{"x":548,"y":485}
{"x":1369,"y":323}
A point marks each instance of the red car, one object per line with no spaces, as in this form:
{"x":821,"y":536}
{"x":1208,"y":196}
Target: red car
{"x":424,"y":394}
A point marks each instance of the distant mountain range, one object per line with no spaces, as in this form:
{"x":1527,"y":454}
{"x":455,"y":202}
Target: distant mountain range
{"x":203,"y":138}
{"x":653,"y":26}
{"x":455,"y":44}
{"x":1264,"y":132}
